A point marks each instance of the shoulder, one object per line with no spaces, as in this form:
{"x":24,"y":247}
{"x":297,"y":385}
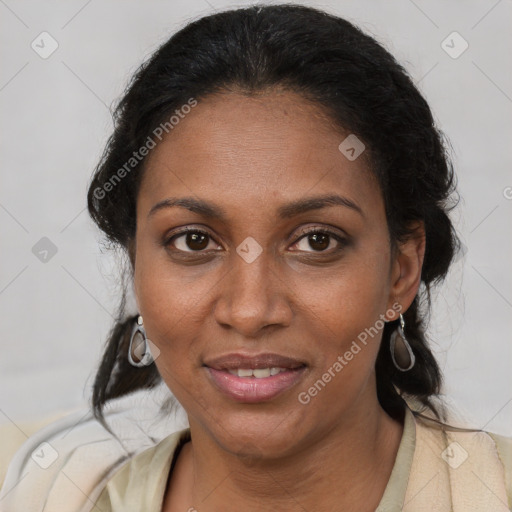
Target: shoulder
{"x":66,"y":464}
{"x":487,"y":460}
{"x":504,"y":450}
{"x":140,"y":483}
{"x":472,"y":467}
{"x":14,"y":434}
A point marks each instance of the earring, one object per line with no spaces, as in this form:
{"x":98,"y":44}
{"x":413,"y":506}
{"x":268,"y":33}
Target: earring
{"x":401,"y":352}
{"x":139,"y":346}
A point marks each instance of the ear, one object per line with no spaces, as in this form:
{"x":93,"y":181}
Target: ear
{"x":407,"y":262}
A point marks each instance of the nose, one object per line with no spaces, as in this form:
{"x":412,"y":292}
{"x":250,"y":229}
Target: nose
{"x":253,"y":296}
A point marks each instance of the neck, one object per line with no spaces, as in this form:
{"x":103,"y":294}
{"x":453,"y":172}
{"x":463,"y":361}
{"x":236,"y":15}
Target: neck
{"x":349,"y":466}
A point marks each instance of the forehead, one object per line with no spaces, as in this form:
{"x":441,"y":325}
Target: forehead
{"x":235,"y":148}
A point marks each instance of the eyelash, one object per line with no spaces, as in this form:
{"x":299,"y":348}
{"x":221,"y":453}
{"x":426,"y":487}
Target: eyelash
{"x":341,"y":241}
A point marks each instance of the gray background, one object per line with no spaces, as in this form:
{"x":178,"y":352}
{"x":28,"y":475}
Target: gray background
{"x":56,"y":119}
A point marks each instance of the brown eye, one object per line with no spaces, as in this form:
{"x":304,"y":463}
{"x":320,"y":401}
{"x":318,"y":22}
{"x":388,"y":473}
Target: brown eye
{"x":190,"y":240}
{"x":320,"y":241}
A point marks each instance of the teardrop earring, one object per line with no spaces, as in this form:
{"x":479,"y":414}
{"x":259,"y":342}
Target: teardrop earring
{"x":401,"y":352}
{"x":139,"y":346}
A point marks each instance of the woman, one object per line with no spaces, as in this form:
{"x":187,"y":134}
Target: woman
{"x":282,"y":195}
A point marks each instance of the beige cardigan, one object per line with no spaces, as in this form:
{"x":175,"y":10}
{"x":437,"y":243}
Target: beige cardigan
{"x":435,"y":470}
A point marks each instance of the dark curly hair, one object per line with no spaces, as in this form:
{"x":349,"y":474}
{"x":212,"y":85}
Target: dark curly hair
{"x":327,"y":60}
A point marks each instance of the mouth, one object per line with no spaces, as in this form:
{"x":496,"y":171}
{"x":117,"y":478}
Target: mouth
{"x":253,"y":379}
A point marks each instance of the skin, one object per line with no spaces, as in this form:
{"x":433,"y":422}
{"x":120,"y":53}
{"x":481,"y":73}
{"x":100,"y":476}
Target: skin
{"x":249,"y":156}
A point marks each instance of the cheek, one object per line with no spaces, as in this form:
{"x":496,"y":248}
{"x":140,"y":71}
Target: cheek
{"x":170,"y":312}
{"x":174,"y":303}
{"x":350,"y":297}
{"x":346,"y":349}
{"x":345,"y":316}
{"x":163,"y":303}
{"x":164,"y":293}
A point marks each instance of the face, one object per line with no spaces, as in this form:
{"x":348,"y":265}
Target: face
{"x":266,"y":275}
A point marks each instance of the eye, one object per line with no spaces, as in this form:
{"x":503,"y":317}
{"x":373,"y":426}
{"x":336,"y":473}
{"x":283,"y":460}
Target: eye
{"x":320,"y":240}
{"x":190,"y":240}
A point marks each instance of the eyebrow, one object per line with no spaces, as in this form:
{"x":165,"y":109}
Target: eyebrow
{"x":286,"y":211}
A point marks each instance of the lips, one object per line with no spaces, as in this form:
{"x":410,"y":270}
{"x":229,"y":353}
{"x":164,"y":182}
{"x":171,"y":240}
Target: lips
{"x":254,"y":378}
{"x":235,"y":361}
